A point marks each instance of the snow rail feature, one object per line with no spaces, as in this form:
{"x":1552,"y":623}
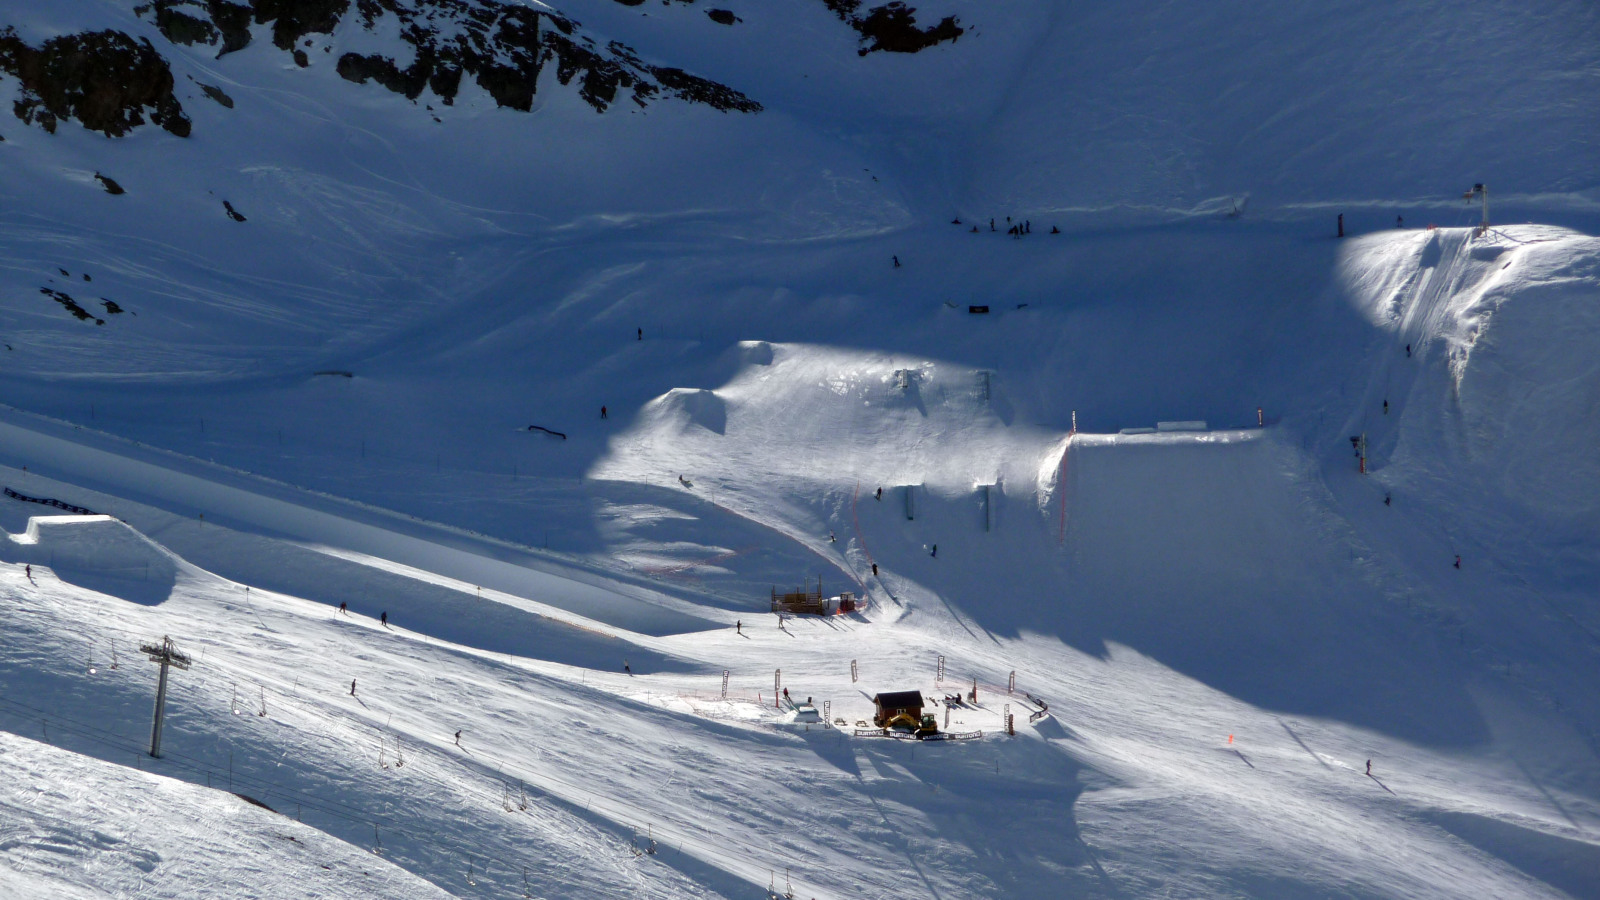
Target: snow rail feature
{"x":49,"y":501}
{"x":547,"y":431}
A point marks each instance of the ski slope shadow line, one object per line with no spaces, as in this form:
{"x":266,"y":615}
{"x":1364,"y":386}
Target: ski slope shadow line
{"x":910,"y":857}
{"x":1302,"y":744}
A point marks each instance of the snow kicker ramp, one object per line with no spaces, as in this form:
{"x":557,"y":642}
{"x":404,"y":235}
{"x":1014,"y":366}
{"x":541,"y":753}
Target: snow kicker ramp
{"x":101,"y":553}
{"x":258,"y":505}
{"x":1217,"y":555}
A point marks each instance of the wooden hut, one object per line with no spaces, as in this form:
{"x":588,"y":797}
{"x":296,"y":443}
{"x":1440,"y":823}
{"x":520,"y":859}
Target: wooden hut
{"x":894,"y":703}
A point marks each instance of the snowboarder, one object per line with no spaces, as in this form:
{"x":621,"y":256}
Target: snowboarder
{"x":627,"y":668}
{"x":1399,"y":221}
{"x":1369,"y":768}
{"x":1027,"y":226}
{"x":352,"y":687}
{"x":383,"y":618}
{"x":1054,"y":230}
{"x":458,"y":738}
{"x":956,"y":221}
{"x":738,"y":627}
{"x":1386,"y":406}
{"x":641,"y":334}
{"x":603,"y":412}
{"x":874,"y":570}
{"x":991,"y":224}
{"x":344,"y":608}
{"x":896,"y":261}
{"x":935,"y":553}
{"x":1458,"y":560}
{"x":1408,"y":351}
{"x":879,"y":494}
{"x":974,"y":231}
{"x":28,"y":571}
{"x":1385,"y":498}
{"x":832,"y":539}
{"x":1341,"y":224}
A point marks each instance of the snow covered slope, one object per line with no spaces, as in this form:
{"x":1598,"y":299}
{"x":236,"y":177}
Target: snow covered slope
{"x":514,"y":331}
{"x":76,"y":827}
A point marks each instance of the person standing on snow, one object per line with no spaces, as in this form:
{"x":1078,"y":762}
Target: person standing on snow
{"x":603,"y":412}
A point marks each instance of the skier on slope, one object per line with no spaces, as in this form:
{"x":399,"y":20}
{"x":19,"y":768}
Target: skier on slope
{"x":1458,"y":560}
{"x":383,"y":618}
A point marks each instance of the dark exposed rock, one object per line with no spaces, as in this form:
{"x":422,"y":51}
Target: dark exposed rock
{"x":217,"y":94}
{"x":893,"y":27}
{"x":111,"y":306}
{"x":502,"y":45}
{"x":182,"y":28}
{"x":232,"y":213}
{"x":110,"y":185}
{"x":233,"y":21}
{"x":723,"y":16}
{"x":699,"y":90}
{"x":104,"y":79}
{"x":294,"y":19}
{"x":71,"y":305}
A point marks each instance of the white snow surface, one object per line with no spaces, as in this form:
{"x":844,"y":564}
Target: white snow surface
{"x":554,"y":672}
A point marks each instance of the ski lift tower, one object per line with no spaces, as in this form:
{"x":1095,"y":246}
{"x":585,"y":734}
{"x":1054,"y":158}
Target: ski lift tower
{"x":1481,"y":193}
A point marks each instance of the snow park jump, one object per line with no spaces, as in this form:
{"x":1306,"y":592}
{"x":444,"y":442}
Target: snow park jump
{"x":832,"y":449}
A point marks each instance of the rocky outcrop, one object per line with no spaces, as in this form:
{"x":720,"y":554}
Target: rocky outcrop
{"x":502,"y":46}
{"x":104,"y":79}
{"x":893,"y":27}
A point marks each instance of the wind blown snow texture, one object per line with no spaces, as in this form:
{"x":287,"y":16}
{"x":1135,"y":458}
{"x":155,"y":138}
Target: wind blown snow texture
{"x":330,"y":403}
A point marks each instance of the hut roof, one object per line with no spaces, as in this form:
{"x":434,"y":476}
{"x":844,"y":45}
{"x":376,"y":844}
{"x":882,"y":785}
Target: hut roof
{"x":899,"y":699}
